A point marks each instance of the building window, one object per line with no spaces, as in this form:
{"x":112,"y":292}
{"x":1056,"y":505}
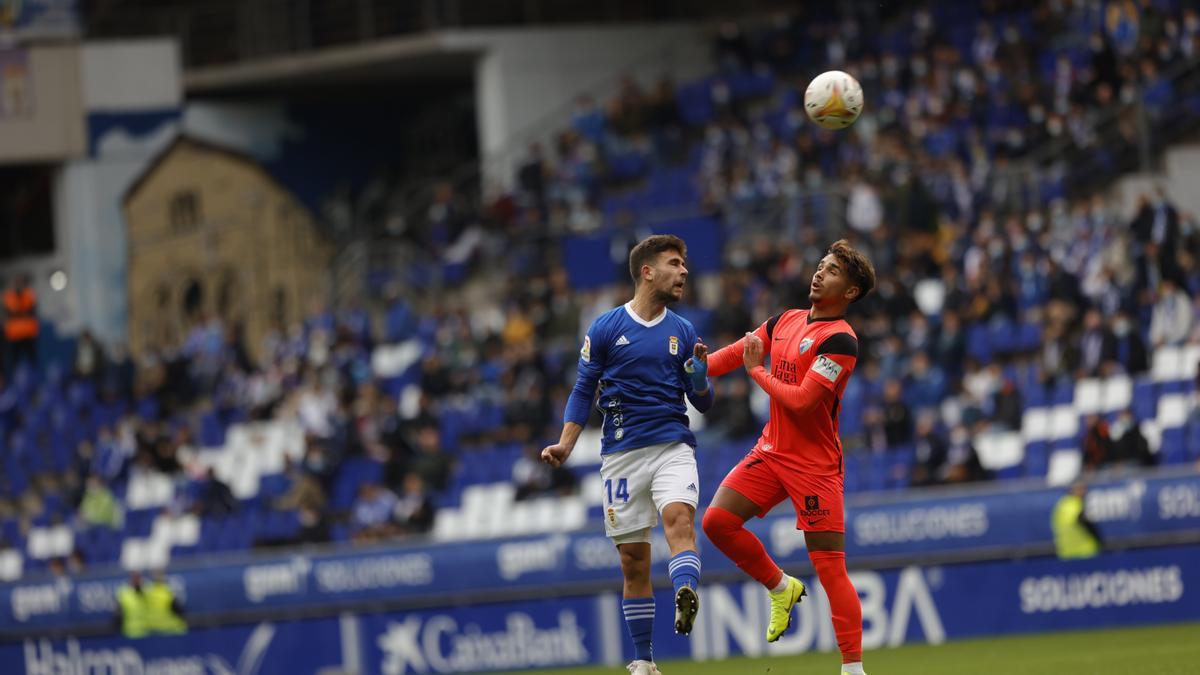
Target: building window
{"x":185,"y":210}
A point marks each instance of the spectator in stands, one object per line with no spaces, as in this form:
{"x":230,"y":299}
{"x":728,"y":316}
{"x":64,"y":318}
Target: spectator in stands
{"x":531,"y":177}
{"x":1171,"y":320}
{"x":1130,"y":447}
{"x":21,"y":322}
{"x":1007,"y":406}
{"x":1097,"y":443}
{"x":962,"y":461}
{"x":430,"y":463}
{"x":897,"y":418}
{"x":99,"y":507}
{"x":373,"y":513}
{"x":931,"y":452}
{"x":1097,"y":347}
{"x":304,"y":492}
{"x":414,"y":511}
{"x":88,"y":361}
{"x":1130,"y":348}
{"x":213,"y":497}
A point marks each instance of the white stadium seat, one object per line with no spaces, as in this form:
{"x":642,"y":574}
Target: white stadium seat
{"x":1088,"y":399}
{"x":1064,"y":466}
{"x":1000,"y":450}
{"x":1117,"y":393}
{"x":1035,"y":424}
{"x":11,"y":565}
{"x":1173,"y":410}
{"x":1168,"y":365}
{"x":1064,"y":422}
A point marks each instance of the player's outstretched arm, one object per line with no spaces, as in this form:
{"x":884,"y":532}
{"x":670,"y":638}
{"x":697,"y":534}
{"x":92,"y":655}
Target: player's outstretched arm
{"x":579,"y":403}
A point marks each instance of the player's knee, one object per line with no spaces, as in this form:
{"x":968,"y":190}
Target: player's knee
{"x":719,"y":523}
{"x":635,"y":569}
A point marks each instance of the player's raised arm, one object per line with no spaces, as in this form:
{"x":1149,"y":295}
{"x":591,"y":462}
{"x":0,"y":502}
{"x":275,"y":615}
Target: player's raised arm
{"x":696,"y":367}
{"x":583,"y":395}
{"x":835,"y":360}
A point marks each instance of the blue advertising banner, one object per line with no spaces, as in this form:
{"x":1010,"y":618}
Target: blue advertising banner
{"x":895,"y":534}
{"x":915,"y":604}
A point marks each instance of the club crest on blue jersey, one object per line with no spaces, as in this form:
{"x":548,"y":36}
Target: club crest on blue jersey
{"x":805,"y":345}
{"x":674,"y":345}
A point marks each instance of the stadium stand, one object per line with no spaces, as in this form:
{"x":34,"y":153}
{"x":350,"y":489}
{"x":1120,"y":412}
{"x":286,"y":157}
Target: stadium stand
{"x":1024,"y":331}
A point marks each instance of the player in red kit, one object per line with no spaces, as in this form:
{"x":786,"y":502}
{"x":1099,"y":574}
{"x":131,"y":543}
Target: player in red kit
{"x":799,"y":455}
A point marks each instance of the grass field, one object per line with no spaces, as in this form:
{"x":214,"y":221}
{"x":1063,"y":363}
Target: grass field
{"x":1161,"y":650}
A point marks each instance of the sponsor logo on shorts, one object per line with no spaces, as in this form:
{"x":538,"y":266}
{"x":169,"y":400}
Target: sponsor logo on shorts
{"x":813,"y":512}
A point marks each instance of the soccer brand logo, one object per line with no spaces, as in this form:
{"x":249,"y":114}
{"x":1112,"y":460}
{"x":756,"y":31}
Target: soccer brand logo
{"x":673,"y":345}
{"x":806,"y":344}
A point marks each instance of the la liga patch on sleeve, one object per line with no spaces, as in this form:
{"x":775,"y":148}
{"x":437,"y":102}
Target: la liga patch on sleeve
{"x":827,"y":368}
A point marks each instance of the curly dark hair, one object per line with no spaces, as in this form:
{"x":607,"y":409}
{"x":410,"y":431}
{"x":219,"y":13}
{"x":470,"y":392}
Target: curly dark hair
{"x":858,"y":268}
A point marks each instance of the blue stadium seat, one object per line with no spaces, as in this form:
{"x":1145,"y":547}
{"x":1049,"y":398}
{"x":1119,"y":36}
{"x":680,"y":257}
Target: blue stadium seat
{"x":1037,"y":459}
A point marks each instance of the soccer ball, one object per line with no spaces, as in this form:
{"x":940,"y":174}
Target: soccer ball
{"x":833,"y":99}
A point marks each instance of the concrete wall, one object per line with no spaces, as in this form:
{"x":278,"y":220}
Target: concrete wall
{"x":527,"y":80}
{"x":41,"y":109}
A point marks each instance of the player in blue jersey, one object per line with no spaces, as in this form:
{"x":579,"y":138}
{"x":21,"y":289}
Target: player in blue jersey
{"x":645,"y":359}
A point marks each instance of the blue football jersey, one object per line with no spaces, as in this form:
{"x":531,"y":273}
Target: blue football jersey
{"x":639,"y":367}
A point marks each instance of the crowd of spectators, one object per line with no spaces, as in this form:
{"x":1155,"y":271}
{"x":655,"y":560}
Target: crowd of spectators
{"x":963,"y":254}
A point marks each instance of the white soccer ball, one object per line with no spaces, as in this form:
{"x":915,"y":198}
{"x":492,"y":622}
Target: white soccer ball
{"x":833,"y":99}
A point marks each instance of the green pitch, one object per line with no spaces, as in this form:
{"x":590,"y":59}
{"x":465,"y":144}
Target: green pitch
{"x":1165,"y":650}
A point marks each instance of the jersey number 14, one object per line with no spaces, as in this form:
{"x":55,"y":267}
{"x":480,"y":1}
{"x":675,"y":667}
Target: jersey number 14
{"x":622,"y":490}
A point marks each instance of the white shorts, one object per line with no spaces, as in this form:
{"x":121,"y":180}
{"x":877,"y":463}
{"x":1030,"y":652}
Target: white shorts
{"x":638,"y":484}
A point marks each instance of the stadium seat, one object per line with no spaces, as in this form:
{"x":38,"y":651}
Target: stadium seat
{"x":1168,"y":364}
{"x":1117,"y":393}
{"x":1064,"y":422}
{"x":1088,"y":396}
{"x":999,"y":451}
{"x":12,"y":565}
{"x":1173,"y":410}
{"x":1064,"y":466}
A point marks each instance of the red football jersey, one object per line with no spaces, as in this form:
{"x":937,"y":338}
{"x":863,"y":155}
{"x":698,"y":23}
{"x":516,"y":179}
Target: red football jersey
{"x":811,"y":361}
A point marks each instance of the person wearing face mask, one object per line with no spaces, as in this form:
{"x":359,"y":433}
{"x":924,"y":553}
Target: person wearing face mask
{"x":1130,"y":348}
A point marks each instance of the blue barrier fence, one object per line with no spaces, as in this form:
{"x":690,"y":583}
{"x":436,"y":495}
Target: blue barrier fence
{"x":911,"y":604}
{"x":886,"y":535}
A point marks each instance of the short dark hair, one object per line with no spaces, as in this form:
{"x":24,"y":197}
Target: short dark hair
{"x":648,"y":249}
{"x":858,"y":268}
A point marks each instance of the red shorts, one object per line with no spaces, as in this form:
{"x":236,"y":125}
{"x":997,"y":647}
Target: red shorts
{"x":819,"y":500}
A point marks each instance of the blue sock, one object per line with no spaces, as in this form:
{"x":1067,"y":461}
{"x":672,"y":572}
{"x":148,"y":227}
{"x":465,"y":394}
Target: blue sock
{"x":685,"y":570}
{"x":639,"y":619}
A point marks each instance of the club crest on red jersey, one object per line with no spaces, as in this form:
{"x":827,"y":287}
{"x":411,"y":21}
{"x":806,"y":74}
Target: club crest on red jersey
{"x":806,"y":344}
